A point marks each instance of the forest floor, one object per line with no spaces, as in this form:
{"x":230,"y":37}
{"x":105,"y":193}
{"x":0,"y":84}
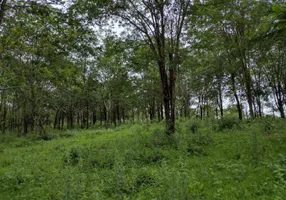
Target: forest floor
{"x":201,"y":161}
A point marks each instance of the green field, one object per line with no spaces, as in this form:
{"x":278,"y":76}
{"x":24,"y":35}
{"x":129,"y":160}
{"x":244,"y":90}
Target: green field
{"x":247,"y":161}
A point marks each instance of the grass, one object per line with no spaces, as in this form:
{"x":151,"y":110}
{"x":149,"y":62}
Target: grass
{"x":130,"y":162}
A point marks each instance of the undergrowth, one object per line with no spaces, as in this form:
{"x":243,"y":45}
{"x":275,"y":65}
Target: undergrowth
{"x":197,"y":162}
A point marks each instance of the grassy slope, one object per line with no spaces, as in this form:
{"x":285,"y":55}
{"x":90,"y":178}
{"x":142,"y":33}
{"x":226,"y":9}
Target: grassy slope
{"x":132,"y":163}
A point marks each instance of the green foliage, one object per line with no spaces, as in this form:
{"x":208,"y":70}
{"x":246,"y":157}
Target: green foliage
{"x":132,"y":163}
{"x":279,"y":170}
{"x":226,"y":124}
{"x":194,"y":126}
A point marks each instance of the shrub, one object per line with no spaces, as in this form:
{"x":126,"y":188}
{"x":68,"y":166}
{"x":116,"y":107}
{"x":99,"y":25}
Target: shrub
{"x":194,"y":126}
{"x":144,"y":179}
{"x":158,"y":138}
{"x":72,"y":156}
{"x":227,"y":123}
{"x":279,"y":170}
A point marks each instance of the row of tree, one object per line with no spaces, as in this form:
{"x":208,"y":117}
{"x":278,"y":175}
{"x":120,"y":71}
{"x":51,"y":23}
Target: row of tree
{"x":62,"y":65}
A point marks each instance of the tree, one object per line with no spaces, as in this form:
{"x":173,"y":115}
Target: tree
{"x":160,"y":23}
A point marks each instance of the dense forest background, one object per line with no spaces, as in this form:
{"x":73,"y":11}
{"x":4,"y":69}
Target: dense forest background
{"x":76,"y":64}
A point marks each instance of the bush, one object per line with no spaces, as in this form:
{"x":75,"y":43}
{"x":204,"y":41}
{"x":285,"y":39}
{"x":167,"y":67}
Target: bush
{"x":227,"y":123}
{"x":144,"y":179}
{"x":279,"y":170}
{"x":193,"y":144}
{"x":158,"y":138}
{"x":194,"y":126}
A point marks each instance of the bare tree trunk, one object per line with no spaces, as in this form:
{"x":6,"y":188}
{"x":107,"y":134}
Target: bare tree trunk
{"x":220,"y":102}
{"x":87,"y":114}
{"x":279,"y":101}
{"x":25,"y":125}
{"x":62,"y":120}
{"x":2,"y":10}
{"x":118,"y":114}
{"x":239,"y":110}
{"x":94,"y":117}
{"x":4,"y":117}
{"x":167,"y":99}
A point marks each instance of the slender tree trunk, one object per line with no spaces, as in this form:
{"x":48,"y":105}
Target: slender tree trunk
{"x":201,"y":100}
{"x":3,"y":112}
{"x":62,"y":120}
{"x":239,"y":110}
{"x":94,"y":117}
{"x":248,"y":87}
{"x":71,"y":114}
{"x":118,"y":114}
{"x":123,"y":115}
{"x":4,"y":118}
{"x":56,"y":119}
{"x":279,"y":101}
{"x":2,"y":10}
{"x":186,"y":107}
{"x":158,"y":112}
{"x":147,"y":118}
{"x":220,"y":102}
{"x":259,"y":106}
{"x":78,"y":119}
{"x":114,"y":117}
{"x":25,"y":125}
{"x":87,"y":114}
{"x":106,"y":120}
{"x":101,"y":115}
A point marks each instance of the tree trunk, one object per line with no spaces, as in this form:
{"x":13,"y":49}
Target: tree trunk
{"x":94,"y":117}
{"x":239,"y":110}
{"x":114,"y":117}
{"x":118,"y":114}
{"x":220,"y":102}
{"x":201,"y":107}
{"x":123,"y":115}
{"x":248,"y":88}
{"x":62,"y":120}
{"x":2,"y":10}
{"x":106,"y":120}
{"x":186,"y":109}
{"x":168,"y":97}
{"x":4,"y":118}
{"x":25,"y":125}
{"x":279,"y":101}
{"x":87,"y":114}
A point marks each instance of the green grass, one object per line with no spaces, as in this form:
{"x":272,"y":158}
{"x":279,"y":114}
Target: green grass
{"x":130,"y":162}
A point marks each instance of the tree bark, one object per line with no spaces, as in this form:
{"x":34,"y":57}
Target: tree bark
{"x":2,"y":10}
{"x":239,"y":110}
{"x":168,"y":97}
{"x":94,"y":117}
{"x":279,"y":101}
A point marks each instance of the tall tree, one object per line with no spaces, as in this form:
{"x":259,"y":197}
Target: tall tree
{"x":160,"y":23}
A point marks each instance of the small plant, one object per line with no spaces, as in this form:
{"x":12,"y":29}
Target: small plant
{"x":72,"y":156}
{"x":267,"y":126}
{"x":144,"y":179}
{"x":196,"y":190}
{"x":279,"y":170}
{"x":194,"y":126}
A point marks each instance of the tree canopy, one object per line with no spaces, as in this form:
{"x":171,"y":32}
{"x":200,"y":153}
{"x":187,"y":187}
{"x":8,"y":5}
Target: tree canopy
{"x":65,"y":64}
